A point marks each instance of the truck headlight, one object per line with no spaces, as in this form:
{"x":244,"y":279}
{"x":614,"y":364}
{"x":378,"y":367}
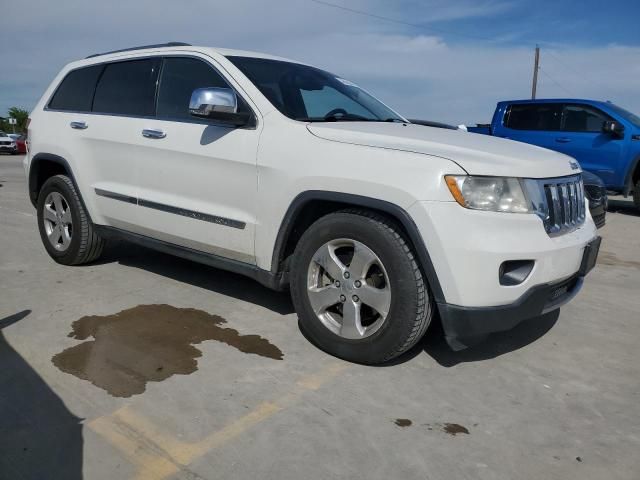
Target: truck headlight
{"x":494,"y":194}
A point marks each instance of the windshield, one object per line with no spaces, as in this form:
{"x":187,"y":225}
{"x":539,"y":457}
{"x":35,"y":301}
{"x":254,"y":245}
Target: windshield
{"x":308,"y":94}
{"x":627,"y":115}
{"x":2,"y":134}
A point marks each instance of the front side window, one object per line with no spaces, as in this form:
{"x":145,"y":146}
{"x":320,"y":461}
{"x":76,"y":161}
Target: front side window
{"x":582,"y":118}
{"x":308,"y":94}
{"x":127,"y":88}
{"x":533,"y":116}
{"x":180,"y":77}
{"x":75,"y":92}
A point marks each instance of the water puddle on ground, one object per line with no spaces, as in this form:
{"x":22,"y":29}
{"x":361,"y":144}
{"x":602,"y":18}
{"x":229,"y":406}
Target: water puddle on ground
{"x":148,"y":343}
{"x":403,"y":422}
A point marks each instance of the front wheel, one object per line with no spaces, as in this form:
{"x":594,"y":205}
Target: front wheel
{"x":636,"y":195}
{"x":357,"y":288}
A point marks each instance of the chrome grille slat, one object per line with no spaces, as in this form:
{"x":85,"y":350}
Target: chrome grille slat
{"x":565,"y":209}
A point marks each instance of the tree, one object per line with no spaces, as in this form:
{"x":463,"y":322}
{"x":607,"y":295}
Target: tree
{"x":21,"y":116}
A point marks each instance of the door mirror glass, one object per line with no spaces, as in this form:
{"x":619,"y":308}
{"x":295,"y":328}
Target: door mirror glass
{"x":219,"y":104}
{"x":614,"y":129}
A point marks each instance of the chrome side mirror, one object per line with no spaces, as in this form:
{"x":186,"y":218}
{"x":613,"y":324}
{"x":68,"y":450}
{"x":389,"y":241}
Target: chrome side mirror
{"x":219,"y":104}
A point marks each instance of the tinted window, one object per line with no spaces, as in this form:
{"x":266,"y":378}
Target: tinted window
{"x":180,"y":77}
{"x":76,"y":90}
{"x":582,"y":118}
{"x":127,"y":88}
{"x":540,"y":116}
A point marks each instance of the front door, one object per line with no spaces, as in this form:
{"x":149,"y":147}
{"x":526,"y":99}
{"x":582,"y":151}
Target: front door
{"x":581,"y":137}
{"x":197,"y":180}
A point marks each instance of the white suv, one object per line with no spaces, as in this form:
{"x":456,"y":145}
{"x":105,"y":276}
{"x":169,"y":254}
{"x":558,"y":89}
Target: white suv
{"x":296,"y":177}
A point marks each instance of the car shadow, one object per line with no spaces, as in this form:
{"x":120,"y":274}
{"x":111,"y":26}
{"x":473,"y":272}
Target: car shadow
{"x":39,"y":437}
{"x":248,"y":290}
{"x":625,"y":207}
{"x":196,"y":274}
{"x":494,"y":345}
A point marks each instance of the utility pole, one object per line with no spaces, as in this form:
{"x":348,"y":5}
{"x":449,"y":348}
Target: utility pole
{"x":536,"y":63}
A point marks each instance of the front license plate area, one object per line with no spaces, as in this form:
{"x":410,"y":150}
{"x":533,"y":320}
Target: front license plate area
{"x":590,"y":256}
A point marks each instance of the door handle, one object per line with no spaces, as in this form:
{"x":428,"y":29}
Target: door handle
{"x":153,"y":133}
{"x":79,"y":125}
{"x":563,"y":139}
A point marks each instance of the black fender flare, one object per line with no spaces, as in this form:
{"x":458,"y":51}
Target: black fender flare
{"x":391,"y":209}
{"x":34,"y":167}
{"x":628,"y":181}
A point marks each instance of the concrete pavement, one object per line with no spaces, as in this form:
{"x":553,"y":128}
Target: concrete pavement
{"x":557,"y":398}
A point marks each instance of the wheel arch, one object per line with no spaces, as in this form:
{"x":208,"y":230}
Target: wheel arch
{"x":44,"y":166}
{"x":310,"y":205}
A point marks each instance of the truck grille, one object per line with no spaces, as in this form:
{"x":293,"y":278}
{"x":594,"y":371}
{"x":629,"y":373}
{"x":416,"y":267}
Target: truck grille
{"x":565,"y":204}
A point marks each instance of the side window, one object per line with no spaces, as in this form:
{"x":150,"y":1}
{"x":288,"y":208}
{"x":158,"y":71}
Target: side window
{"x":180,"y":77}
{"x":127,"y":88}
{"x":533,"y":116}
{"x":582,"y":118}
{"x":75,"y":92}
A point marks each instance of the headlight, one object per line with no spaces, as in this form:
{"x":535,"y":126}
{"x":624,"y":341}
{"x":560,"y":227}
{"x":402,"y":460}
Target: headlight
{"x":494,"y":194}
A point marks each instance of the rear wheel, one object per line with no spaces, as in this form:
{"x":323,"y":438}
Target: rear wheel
{"x":357,"y":288}
{"x":636,"y":194}
{"x":65,"y":229}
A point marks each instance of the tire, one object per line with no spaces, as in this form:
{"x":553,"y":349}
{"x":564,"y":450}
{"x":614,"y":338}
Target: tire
{"x":398,"y":280}
{"x":636,"y":195}
{"x":78,"y":241}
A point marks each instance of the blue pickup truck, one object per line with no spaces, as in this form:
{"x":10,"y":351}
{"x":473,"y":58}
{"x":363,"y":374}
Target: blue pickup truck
{"x":602,"y":136}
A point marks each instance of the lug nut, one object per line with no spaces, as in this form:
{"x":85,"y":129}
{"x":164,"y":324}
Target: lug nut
{"x":337,"y":284}
{"x":358,"y":284}
{"x":346,"y":275}
{"x":343,"y":298}
{"x":355,"y":298}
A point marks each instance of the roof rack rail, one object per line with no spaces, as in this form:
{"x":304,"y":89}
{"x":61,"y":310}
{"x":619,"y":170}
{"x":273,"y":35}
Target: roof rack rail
{"x":143,"y":47}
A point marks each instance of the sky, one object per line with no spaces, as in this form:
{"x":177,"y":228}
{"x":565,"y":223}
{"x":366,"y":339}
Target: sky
{"x":440,"y":60}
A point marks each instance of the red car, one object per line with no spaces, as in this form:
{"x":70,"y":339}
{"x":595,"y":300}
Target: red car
{"x":21,"y":143}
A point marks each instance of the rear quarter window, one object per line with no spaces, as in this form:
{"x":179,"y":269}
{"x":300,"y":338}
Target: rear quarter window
{"x":75,"y":92}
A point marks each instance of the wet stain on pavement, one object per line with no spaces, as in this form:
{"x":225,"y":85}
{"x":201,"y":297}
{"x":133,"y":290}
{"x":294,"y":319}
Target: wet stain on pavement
{"x":148,"y":343}
{"x":403,"y":422}
{"x":607,"y":258}
{"x":454,"y":429}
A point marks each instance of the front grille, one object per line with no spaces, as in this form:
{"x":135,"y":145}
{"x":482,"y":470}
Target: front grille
{"x":5,"y":143}
{"x":565,"y":204}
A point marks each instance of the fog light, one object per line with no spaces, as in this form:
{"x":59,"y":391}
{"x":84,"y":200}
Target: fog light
{"x":514,"y":272}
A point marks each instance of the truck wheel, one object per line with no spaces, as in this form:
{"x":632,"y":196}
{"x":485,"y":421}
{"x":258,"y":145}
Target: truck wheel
{"x":636,"y":194}
{"x":357,"y":288}
{"x":65,"y":229}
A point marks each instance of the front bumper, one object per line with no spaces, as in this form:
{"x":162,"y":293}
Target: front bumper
{"x":9,"y":148}
{"x":464,"y":326}
{"x":468,"y":247}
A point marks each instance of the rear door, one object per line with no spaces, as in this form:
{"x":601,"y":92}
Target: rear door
{"x":534,"y":123}
{"x":197,"y":181}
{"x":581,"y":137}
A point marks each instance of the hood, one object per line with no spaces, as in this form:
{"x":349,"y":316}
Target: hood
{"x":477,"y":154}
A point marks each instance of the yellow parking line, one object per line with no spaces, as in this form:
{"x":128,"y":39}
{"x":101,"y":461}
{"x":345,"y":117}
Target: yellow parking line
{"x":157,"y":454}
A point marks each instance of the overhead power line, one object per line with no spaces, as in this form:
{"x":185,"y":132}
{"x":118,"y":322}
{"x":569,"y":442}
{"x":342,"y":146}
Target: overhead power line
{"x":401,"y":22}
{"x":554,"y":81}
